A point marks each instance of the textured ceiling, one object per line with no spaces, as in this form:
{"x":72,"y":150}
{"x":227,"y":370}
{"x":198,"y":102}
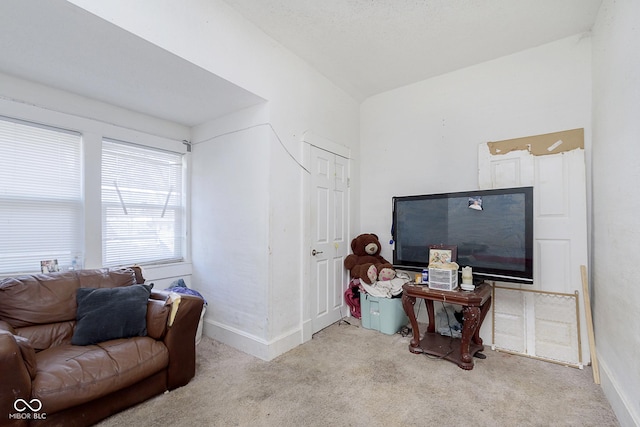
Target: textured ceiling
{"x":363,"y":46}
{"x":371,"y":46}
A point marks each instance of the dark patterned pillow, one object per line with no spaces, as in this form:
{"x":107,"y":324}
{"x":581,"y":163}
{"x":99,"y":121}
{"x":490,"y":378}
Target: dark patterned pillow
{"x":110,"y":313}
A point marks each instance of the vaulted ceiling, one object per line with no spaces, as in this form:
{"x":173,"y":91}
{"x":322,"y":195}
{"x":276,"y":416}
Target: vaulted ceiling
{"x":363,"y":46}
{"x":371,"y":46}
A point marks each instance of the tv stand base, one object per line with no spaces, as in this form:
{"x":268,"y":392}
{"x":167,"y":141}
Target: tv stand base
{"x":475,"y":306}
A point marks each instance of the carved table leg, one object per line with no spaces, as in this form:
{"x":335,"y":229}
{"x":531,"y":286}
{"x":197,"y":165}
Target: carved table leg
{"x":483,"y":313}
{"x":471,"y":316}
{"x":407,"y":303}
{"x":432,"y":315}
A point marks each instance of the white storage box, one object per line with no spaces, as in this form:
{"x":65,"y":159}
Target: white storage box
{"x":443,"y":280}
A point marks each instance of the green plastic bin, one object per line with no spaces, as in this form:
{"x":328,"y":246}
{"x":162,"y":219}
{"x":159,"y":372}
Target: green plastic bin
{"x":382,"y":314}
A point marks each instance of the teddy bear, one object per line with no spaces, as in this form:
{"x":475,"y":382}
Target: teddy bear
{"x":366,"y":263}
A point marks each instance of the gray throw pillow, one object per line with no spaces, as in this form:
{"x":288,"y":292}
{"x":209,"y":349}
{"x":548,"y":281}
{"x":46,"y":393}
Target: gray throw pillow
{"x":110,"y":313}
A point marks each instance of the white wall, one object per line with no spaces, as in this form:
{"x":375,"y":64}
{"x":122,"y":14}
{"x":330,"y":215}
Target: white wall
{"x":32,"y":101}
{"x":229,"y":214}
{"x":424,"y":138}
{"x":244,"y":262}
{"x":616,"y":203}
{"x":215,"y":37}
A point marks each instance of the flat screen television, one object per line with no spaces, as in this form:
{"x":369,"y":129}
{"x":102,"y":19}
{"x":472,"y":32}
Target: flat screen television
{"x":492,"y":231}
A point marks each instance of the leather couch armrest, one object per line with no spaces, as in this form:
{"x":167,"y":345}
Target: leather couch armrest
{"x":159,"y":295}
{"x":16,"y":379}
{"x":180,"y":339}
{"x":157,"y":318}
{"x":26,"y":349}
{"x":5,"y":326}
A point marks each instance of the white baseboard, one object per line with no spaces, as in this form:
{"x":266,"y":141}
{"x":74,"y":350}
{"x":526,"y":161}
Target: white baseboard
{"x":250,"y":344}
{"x":618,"y":401}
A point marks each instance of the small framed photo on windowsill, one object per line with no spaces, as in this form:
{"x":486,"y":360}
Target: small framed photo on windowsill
{"x":49,"y":266}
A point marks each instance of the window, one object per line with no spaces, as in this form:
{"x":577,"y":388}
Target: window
{"x":41,"y":209}
{"x":142,"y":205}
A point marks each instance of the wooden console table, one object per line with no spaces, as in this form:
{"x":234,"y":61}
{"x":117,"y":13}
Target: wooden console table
{"x":475,"y":305}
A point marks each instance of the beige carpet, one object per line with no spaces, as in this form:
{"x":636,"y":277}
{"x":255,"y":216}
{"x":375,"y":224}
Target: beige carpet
{"x":350,"y":376}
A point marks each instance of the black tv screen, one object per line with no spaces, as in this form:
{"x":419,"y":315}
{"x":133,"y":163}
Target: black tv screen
{"x":491,"y":229}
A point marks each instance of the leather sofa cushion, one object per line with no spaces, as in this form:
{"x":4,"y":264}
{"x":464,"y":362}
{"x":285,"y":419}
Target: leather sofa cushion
{"x":45,"y":336}
{"x":51,"y":335}
{"x":51,"y":298}
{"x":71,"y":375}
{"x":39,"y":298}
{"x":105,"y":278}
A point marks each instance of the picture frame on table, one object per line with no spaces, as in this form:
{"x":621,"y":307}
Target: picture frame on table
{"x":442,"y":253}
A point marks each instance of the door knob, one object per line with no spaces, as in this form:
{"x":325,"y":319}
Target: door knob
{"x":314,"y":252}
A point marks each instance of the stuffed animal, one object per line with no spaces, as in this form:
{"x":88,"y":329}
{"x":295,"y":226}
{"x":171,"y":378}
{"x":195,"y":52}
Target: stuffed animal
{"x":366,"y":263}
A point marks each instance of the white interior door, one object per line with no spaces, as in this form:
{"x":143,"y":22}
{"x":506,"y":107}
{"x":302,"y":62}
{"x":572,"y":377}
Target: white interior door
{"x":329,"y":231}
{"x":560,"y":244}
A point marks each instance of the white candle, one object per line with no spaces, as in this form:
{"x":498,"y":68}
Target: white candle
{"x":467,"y":276}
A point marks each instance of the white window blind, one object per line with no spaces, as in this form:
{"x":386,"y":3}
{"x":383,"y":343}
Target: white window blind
{"x":142,"y":205}
{"x":41,"y":210}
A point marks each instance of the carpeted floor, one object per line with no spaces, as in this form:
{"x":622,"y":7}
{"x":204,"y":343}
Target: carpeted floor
{"x":350,"y":376}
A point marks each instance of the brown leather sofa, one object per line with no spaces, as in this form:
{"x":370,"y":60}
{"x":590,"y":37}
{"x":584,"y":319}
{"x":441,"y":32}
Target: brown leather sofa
{"x":45,"y":380}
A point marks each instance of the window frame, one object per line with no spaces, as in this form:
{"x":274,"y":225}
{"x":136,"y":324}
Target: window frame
{"x":116,"y":204}
{"x":145,"y":131}
{"x":49,"y":208}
